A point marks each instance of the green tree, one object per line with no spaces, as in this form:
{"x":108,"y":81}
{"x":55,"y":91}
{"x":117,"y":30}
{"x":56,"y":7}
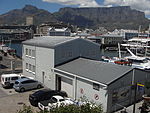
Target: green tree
{"x":85,"y":107}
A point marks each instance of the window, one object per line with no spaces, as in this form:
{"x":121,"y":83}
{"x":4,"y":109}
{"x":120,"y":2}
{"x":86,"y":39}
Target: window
{"x":26,"y":51}
{"x":96,"y":86}
{"x":63,"y":55}
{"x":27,"y":66}
{"x":29,"y":52}
{"x":14,"y":78}
{"x":31,"y":81}
{"x":25,"y":82}
{"x":33,"y":68}
{"x":7,"y":79}
{"x":33,"y":53}
{"x":69,"y":54}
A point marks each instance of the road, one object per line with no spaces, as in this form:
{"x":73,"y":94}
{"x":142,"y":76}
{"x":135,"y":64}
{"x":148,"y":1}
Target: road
{"x":12,"y":101}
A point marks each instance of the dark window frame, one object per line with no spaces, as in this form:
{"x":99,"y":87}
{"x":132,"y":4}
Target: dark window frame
{"x":96,"y":86}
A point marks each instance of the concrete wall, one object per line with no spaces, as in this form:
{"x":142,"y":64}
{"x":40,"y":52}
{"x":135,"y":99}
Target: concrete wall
{"x":76,"y":48}
{"x":28,"y":59}
{"x":44,"y":62}
{"x":85,"y":89}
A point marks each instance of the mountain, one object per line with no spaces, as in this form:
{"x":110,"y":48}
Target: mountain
{"x":18,"y":16}
{"x":111,"y":18}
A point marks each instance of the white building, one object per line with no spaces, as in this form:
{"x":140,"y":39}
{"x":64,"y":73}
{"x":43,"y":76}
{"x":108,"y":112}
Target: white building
{"x":59,"y":31}
{"x":72,"y":65}
{"x":126,"y":33}
{"x":42,"y":54}
{"x":105,"y":83}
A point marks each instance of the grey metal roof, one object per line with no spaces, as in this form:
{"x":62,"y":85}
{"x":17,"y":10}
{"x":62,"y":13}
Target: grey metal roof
{"x":105,"y":36}
{"x":48,"y":41}
{"x":95,"y":70}
{"x":52,"y":41}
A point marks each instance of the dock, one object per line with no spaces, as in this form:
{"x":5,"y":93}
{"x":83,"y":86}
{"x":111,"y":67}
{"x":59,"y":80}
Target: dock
{"x":10,"y":64}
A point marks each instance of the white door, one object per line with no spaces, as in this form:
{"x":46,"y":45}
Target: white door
{"x":67,"y":86}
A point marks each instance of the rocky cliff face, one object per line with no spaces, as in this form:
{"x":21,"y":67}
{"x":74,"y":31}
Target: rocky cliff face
{"x":111,"y":18}
{"x":123,"y":17}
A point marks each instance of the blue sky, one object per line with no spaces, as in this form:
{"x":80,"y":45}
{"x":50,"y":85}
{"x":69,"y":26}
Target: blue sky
{"x":55,"y":5}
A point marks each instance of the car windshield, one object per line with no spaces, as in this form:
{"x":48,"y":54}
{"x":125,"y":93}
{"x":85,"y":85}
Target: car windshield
{"x":62,"y":100}
{"x":23,"y":77}
{"x":53,"y":100}
{"x":16,"y":82}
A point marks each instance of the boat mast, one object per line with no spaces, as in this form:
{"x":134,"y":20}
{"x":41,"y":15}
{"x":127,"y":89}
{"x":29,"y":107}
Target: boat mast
{"x":119,"y":51}
{"x":147,"y":41}
{"x":138,"y":38}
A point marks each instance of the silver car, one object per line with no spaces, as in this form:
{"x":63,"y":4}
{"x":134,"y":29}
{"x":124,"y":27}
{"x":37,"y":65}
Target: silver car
{"x":26,"y":84}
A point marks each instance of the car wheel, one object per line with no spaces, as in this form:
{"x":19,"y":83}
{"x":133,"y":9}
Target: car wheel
{"x":22,"y":90}
{"x":39,"y":86}
{"x":8,"y":84}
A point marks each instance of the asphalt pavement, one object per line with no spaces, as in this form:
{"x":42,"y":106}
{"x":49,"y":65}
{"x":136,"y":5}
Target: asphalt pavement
{"x":12,"y":101}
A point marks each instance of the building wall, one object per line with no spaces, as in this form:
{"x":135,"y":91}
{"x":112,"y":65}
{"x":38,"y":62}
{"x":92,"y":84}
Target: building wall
{"x":28,"y":59}
{"x":85,"y":89}
{"x":82,"y":89}
{"x":44,"y":65}
{"x":74,"y":49}
{"x":121,"y":92}
{"x":57,"y":33}
{"x":43,"y":61}
{"x":112,"y":40}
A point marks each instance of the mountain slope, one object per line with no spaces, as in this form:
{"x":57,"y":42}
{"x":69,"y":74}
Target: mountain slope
{"x":114,"y":17}
{"x":18,"y":16}
{"x":111,"y":18}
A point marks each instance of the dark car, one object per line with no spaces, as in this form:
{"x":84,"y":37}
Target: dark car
{"x":44,"y":94}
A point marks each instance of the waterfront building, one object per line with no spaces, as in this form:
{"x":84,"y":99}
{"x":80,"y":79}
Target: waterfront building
{"x":16,"y":33}
{"x":107,"y":39}
{"x":126,"y":33}
{"x":59,"y":31}
{"x":73,"y":65}
{"x":41,"y":54}
{"x":44,"y":28}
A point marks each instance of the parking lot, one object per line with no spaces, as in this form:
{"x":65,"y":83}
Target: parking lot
{"x":11,"y":101}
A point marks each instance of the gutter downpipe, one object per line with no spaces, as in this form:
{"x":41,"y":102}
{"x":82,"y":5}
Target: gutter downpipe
{"x":75,"y":87}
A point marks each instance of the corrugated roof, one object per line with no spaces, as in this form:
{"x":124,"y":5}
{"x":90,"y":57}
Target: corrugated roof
{"x":95,"y":70}
{"x":48,"y":41}
{"x":52,"y":41}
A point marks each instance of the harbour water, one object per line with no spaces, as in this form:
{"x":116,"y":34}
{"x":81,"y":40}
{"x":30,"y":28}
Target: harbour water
{"x":17,"y":47}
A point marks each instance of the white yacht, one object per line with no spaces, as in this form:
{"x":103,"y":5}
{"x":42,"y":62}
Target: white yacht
{"x":132,"y":60}
{"x":137,"y":43}
{"x":138,"y":62}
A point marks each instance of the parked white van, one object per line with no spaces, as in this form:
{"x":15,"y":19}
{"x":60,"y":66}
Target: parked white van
{"x":8,"y":80}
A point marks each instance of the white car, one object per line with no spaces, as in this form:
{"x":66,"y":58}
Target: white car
{"x":8,"y":80}
{"x":55,"y":101}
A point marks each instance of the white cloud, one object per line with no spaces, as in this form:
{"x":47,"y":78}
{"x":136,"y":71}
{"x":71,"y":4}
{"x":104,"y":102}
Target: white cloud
{"x":81,"y":3}
{"x":142,"y":5}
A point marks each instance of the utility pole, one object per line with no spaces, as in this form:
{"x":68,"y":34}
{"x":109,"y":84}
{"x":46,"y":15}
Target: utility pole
{"x":135,"y":88}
